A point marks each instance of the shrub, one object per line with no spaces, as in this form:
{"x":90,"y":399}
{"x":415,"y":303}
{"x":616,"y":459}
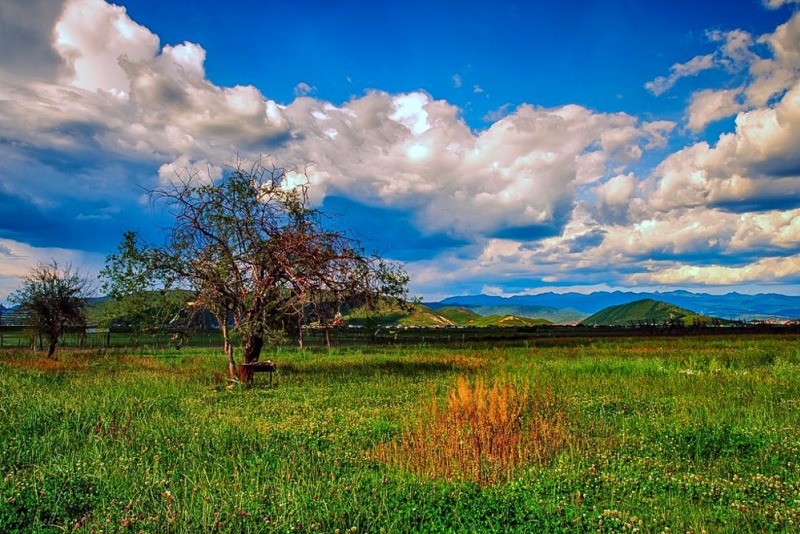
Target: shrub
{"x":484,"y":434}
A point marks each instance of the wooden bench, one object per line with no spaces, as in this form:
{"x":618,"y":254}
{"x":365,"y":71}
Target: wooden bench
{"x":246,"y":370}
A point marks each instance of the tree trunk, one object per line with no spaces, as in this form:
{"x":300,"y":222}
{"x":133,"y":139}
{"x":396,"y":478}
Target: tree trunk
{"x":51,"y":348}
{"x":252,"y":348}
{"x":300,"y":330}
{"x":227,"y":346}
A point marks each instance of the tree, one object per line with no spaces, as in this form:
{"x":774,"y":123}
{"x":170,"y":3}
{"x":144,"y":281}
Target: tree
{"x":53,"y":297}
{"x":255,"y":254}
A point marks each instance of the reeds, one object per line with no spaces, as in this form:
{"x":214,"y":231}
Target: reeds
{"x":484,"y":434}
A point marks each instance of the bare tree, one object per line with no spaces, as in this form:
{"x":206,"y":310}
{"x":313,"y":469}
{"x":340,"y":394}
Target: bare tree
{"x":256,"y":254}
{"x":53,"y":297}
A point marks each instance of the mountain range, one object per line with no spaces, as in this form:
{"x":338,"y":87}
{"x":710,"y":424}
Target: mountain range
{"x":740,"y":306}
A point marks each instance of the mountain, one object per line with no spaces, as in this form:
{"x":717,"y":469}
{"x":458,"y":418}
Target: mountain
{"x":646,"y":310}
{"x":728,"y":306}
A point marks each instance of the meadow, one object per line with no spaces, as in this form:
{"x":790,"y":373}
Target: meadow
{"x":665,"y":434}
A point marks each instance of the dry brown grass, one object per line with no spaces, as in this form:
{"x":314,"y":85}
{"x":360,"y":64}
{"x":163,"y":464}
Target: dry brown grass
{"x":484,"y":434}
{"x":36,"y":360}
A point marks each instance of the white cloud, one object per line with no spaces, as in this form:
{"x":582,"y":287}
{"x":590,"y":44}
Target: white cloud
{"x":409,"y":110}
{"x":770,"y":230}
{"x":658,"y":132}
{"x":617,"y":191}
{"x":709,"y":105}
{"x":766,"y":270}
{"x":304,"y":89}
{"x":92,"y":35}
{"x":757,"y":162}
{"x":694,"y":66}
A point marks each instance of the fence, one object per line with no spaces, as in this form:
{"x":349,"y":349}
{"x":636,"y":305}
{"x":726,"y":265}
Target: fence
{"x":26,"y":337}
{"x":18,"y":336}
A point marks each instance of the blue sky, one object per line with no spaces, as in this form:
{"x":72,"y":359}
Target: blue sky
{"x":492,"y":147}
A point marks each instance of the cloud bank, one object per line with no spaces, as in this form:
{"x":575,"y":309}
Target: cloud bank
{"x":94,"y":110}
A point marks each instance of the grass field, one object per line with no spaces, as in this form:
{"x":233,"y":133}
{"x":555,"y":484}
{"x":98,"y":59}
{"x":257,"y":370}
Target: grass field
{"x":615,"y":435}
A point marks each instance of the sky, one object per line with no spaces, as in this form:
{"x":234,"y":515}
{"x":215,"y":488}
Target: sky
{"x":494,"y":147}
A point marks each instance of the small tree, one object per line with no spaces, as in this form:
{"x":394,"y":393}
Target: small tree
{"x":255,"y":254}
{"x":53,"y":297}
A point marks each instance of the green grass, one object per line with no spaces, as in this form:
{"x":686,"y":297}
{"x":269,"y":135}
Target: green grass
{"x":685,"y":434}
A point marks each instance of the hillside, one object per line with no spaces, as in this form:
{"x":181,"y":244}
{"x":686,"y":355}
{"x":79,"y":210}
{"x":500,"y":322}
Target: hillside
{"x":423,"y":316}
{"x":646,"y":310}
{"x":550,"y":315}
{"x":458,"y":315}
{"x":468,"y":317}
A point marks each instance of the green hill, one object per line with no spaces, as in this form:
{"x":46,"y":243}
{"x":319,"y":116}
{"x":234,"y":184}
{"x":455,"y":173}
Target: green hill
{"x":468,"y":317}
{"x":462,"y":316}
{"x":512,"y":320}
{"x":641,"y":311}
{"x":551,"y":315}
{"x":393,"y":315}
{"x":424,"y":316}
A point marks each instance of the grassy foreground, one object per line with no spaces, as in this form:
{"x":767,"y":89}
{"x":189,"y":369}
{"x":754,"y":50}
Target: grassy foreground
{"x":654,"y":435}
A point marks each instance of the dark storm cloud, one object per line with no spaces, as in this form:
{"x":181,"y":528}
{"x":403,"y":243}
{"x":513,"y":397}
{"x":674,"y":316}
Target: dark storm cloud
{"x":26,"y":28}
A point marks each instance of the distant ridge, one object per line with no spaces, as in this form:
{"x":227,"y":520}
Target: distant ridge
{"x":729,"y":306}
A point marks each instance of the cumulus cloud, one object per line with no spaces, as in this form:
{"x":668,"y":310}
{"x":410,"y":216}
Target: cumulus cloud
{"x":773,"y":230}
{"x":709,"y":105}
{"x":754,"y":167}
{"x":765,"y":270}
{"x":91,"y":36}
{"x":539,"y":194}
{"x":617,"y":191}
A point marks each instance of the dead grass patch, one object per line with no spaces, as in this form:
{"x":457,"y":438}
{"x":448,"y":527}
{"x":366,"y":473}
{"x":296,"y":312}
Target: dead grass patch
{"x":38,"y":361}
{"x":483,"y":434}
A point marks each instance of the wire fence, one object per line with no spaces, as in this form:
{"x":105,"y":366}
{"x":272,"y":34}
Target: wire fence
{"x":20,"y":336}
